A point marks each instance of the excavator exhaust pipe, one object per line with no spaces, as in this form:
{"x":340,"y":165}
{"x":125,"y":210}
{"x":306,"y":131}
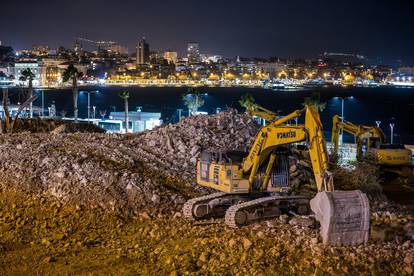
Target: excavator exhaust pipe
{"x":344,"y":217}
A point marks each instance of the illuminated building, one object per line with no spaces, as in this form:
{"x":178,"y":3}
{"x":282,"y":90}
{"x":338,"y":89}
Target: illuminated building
{"x":39,"y":50}
{"x":143,"y":52}
{"x":211,"y":58}
{"x":193,"y":52}
{"x":171,"y":56}
{"x":34,"y":67}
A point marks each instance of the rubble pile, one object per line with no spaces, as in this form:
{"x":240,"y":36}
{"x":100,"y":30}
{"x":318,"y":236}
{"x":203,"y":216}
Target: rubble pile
{"x":39,"y":125}
{"x":129,"y":172}
{"x":118,"y":172}
{"x":182,"y":143}
{"x":43,"y":237}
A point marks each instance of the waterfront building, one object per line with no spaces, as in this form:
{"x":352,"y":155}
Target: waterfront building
{"x":138,"y":121}
{"x":271,"y":68}
{"x":193,"y":52}
{"x":406,"y":70}
{"x":51,"y":71}
{"x":143,"y":52}
{"x":33,"y":65}
{"x":210,"y":58}
{"x":171,"y":56}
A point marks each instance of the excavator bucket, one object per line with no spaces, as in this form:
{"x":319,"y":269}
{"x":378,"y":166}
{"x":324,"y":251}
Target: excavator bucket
{"x":344,"y":217}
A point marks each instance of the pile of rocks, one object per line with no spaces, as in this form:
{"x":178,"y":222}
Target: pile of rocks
{"x":119,"y":172}
{"x":39,"y":125}
{"x":181,"y":144}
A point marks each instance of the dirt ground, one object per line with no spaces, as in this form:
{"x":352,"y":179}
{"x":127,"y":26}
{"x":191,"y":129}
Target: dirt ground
{"x":39,"y":236}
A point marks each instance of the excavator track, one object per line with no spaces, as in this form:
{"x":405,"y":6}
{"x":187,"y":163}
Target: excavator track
{"x":264,"y":208}
{"x":188,"y":208}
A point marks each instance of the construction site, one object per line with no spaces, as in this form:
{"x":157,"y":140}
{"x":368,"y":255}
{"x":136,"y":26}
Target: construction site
{"x":213,"y":194}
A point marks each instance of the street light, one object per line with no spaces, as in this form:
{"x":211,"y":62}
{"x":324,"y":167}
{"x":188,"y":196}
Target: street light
{"x":43,"y":103}
{"x":343,"y":105}
{"x":342,"y":116}
{"x":89,"y":101}
{"x":392,"y":132}
{"x":179,"y":114}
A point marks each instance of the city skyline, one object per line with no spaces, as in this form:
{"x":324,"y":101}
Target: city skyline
{"x":295,"y":29}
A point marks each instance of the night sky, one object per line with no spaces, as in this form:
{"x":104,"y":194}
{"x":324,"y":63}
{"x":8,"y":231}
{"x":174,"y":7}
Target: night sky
{"x":261,"y":28}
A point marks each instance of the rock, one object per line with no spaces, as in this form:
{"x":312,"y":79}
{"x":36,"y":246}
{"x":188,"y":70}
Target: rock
{"x":144,"y":215}
{"x":292,"y":169}
{"x":303,"y":222}
{"x":155,"y":199}
{"x":177,"y":215}
{"x":59,"y":130}
{"x":409,"y":259}
{"x":195,"y":149}
{"x":378,"y":234}
{"x":203,"y":257}
{"x":314,"y":241}
{"x":409,"y":230}
{"x":284,"y":219}
{"x":270,"y":223}
{"x":246,"y":243}
{"x":232,"y":242}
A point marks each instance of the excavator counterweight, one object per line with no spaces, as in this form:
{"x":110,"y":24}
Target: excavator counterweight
{"x":255,"y":185}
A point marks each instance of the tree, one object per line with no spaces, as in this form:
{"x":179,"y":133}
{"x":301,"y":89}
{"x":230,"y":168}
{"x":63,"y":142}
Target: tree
{"x":6,"y":54}
{"x":9,"y":121}
{"x":71,"y":73}
{"x":246,"y":101}
{"x":27,"y":75}
{"x":193,"y":100}
{"x":125,"y":95}
{"x":315,"y":100}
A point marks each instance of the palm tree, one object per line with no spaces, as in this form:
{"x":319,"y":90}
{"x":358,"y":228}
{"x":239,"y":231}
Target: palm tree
{"x":125,"y":95}
{"x":27,"y":75}
{"x":315,"y":100}
{"x":193,"y":100}
{"x":71,"y":73}
{"x":246,"y":101}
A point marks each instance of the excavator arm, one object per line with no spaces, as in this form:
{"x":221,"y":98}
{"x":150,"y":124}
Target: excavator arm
{"x":277,"y":134}
{"x":260,"y":111}
{"x":360,"y":132}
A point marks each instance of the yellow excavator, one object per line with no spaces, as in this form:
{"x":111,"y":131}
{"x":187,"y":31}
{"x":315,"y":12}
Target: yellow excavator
{"x":254,"y":185}
{"x":394,"y":158}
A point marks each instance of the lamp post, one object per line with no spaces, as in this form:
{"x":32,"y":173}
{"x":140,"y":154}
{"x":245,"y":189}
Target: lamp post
{"x":43,"y":103}
{"x":343,"y":113}
{"x":392,"y":132}
{"x":89,"y":101}
{"x":179,"y":114}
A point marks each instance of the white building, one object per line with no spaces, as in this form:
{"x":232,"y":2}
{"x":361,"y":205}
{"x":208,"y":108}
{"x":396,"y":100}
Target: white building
{"x":33,"y":65}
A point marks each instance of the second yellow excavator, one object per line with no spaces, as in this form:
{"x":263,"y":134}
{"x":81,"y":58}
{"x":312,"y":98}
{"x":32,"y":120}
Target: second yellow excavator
{"x":254,"y":185}
{"x":394,"y":158}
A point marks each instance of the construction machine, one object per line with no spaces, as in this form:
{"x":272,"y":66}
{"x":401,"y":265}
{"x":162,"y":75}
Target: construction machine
{"x":254,"y":185}
{"x":371,"y":146}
